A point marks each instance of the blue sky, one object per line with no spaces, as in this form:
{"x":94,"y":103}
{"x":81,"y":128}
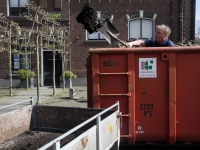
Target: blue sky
{"x":198,"y":10}
{"x":197,"y":14}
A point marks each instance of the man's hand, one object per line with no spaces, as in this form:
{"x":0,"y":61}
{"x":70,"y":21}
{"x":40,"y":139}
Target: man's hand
{"x":127,"y":45}
{"x":136,"y":43}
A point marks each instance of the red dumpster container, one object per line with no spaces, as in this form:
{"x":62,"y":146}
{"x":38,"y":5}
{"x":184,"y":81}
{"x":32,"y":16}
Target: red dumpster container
{"x":158,"y":89}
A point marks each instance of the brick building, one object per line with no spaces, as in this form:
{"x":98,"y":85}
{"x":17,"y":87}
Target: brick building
{"x":132,"y":18}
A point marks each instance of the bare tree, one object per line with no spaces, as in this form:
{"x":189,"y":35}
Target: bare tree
{"x":43,"y":27}
{"x":49,"y":31}
{"x":8,"y":28}
{"x":25,"y":46}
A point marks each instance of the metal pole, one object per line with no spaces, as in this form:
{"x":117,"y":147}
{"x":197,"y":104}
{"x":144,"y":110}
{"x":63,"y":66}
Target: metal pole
{"x":56,"y":145}
{"x":15,"y":104}
{"x":98,"y":133}
{"x":31,"y":100}
{"x":118,"y":132}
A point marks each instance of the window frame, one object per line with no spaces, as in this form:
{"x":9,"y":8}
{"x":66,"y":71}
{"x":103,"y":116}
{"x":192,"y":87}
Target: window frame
{"x":141,"y":19}
{"x":19,"y":8}
{"x":100,"y":37}
{"x":18,"y":62}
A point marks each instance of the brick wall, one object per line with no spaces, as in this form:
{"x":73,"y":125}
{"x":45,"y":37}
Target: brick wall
{"x":168,"y":12}
{"x":4,"y":68}
{"x":178,"y":14}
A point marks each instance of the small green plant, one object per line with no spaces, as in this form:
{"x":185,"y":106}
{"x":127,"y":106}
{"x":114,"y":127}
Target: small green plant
{"x":22,"y":73}
{"x":74,"y":76}
{"x":69,"y":74}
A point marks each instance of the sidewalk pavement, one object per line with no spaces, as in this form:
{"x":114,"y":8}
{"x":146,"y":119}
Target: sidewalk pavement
{"x":62,"y":97}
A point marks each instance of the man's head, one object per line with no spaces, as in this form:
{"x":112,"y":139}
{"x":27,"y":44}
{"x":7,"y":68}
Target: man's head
{"x":162,"y":33}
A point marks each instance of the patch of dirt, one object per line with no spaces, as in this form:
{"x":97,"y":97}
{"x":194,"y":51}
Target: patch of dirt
{"x":32,"y":140}
{"x":88,"y":17}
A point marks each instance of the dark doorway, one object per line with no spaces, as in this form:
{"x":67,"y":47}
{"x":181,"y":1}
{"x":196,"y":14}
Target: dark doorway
{"x":48,"y":68}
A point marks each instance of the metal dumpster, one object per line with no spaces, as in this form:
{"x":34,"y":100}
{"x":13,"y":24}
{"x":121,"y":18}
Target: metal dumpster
{"x":60,"y":128}
{"x":158,"y":89}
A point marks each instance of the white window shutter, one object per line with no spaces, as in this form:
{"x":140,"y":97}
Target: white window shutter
{"x":147,"y":27}
{"x":93,"y":36}
{"x":135,"y":29}
{"x":22,"y":3}
{"x":101,"y":36}
{"x":13,"y":3}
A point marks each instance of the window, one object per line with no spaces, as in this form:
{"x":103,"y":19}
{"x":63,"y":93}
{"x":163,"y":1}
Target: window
{"x":17,"y":7}
{"x":19,"y":62}
{"x":141,"y":25}
{"x":100,"y":19}
{"x":95,"y":36}
{"x":141,"y":28}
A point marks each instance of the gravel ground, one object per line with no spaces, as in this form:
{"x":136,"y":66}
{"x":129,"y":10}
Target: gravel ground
{"x":32,"y":140}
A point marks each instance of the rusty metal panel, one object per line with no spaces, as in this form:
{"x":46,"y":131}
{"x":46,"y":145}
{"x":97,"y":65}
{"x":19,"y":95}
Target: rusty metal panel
{"x":62,"y":118}
{"x":188,"y":97}
{"x":89,"y":82}
{"x":15,"y":123}
{"x":160,"y":105}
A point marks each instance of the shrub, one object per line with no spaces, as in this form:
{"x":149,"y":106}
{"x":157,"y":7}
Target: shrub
{"x":22,"y":73}
{"x":69,"y":74}
{"x":74,"y":76}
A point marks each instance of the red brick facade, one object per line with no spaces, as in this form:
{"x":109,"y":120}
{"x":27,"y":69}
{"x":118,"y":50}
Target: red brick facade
{"x":178,"y":14}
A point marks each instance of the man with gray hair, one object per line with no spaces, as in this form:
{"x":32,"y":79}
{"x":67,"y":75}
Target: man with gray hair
{"x":161,"y":38}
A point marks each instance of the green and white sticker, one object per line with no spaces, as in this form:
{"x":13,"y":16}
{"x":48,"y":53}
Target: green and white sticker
{"x":147,"y":68}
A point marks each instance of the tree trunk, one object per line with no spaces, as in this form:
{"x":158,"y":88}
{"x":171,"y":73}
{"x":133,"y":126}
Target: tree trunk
{"x":26,"y":68}
{"x":38,"y":77}
{"x":10,"y":63}
{"x":63,"y":70}
{"x":54,"y":82}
